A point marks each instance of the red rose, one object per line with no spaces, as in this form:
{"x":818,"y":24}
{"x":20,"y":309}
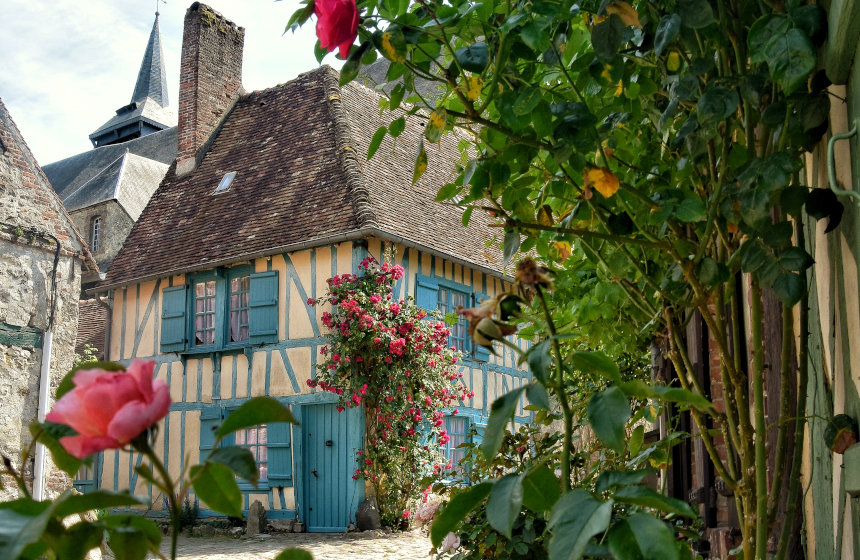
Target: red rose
{"x":108,"y":409}
{"x":337,"y":24}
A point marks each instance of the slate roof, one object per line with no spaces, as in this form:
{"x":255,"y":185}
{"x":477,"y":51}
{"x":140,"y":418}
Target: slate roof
{"x":149,"y":102}
{"x":67,"y":175}
{"x":130,"y":180}
{"x":303,"y":180}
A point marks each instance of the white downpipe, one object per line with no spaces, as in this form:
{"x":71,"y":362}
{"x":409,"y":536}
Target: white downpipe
{"x":44,"y":394}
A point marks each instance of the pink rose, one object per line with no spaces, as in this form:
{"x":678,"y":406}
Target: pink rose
{"x":450,"y":543}
{"x":109,"y":409}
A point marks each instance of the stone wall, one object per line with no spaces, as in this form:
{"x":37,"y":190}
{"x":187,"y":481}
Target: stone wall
{"x":116,"y":224}
{"x":41,"y":256}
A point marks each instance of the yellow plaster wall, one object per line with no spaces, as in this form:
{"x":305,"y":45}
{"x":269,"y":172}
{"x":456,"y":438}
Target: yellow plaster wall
{"x":258,"y":375}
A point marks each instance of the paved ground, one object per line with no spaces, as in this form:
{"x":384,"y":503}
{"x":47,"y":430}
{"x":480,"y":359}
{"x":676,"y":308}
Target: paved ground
{"x":369,"y":545}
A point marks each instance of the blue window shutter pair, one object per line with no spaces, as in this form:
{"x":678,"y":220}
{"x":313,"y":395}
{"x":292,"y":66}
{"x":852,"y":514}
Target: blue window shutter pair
{"x":426,"y":293}
{"x":263,"y":312}
{"x":480,"y":353}
{"x":280,"y":454}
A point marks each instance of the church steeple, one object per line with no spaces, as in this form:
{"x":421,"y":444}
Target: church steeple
{"x":152,"y":79}
{"x":148,"y":111}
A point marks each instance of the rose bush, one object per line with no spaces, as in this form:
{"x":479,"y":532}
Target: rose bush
{"x":337,"y":24}
{"x":108,"y":409}
{"x":382,"y":355}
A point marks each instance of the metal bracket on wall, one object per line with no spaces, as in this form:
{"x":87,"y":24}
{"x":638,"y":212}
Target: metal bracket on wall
{"x":831,"y":162}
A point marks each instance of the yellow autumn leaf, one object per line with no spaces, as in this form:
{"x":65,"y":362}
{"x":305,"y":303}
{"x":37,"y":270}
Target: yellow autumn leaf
{"x":673,"y":62}
{"x":471,"y":87}
{"x":624,"y":11}
{"x":604,"y":181}
{"x":544,"y":216}
{"x":619,"y":89}
{"x":563,"y":248}
{"x":390,"y":49}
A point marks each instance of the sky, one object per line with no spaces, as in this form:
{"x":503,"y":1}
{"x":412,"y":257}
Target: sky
{"x":67,"y":66}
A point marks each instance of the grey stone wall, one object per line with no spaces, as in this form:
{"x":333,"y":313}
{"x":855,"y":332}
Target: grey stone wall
{"x":32,"y":223}
{"x":116,"y":225}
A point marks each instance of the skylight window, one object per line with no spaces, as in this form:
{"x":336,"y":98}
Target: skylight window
{"x":225,"y":182}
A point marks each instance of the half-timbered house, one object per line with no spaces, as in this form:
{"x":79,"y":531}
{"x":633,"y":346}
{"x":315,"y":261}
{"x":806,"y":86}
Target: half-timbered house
{"x":271,"y":195}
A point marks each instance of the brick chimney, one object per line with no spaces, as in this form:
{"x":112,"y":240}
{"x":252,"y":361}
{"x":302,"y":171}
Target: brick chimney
{"x":210,"y":79}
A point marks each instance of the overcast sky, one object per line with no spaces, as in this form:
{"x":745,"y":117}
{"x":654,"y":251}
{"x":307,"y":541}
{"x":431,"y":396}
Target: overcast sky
{"x":67,"y":66}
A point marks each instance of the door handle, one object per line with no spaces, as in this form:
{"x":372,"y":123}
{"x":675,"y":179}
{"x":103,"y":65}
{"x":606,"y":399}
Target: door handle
{"x":314,"y":472}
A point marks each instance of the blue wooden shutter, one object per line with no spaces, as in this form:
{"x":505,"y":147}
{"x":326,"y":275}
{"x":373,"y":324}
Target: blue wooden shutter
{"x":210,"y":419}
{"x":264,"y":307}
{"x":173,"y":319}
{"x":426,"y":293}
{"x":482,"y":354}
{"x":280,"y":454}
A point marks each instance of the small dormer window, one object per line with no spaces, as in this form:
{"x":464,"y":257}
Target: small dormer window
{"x":225,"y":183}
{"x":96,"y":234}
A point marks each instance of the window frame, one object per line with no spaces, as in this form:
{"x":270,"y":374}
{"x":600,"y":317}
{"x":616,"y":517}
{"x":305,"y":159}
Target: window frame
{"x":223,"y":278}
{"x":452,"y":288}
{"x":449,"y":449}
{"x":425,"y":285}
{"x":96,"y":231}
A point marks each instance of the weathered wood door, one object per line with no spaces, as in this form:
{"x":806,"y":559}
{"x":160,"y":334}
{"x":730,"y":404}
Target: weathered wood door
{"x":330,"y":442}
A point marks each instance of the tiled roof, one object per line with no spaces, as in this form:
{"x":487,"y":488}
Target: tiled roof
{"x":299,"y":151}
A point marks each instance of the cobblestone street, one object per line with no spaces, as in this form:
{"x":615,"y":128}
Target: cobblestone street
{"x":369,"y":545}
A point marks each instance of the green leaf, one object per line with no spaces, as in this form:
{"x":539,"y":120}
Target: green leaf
{"x":22,"y":522}
{"x":98,"y":499}
{"x":812,"y":20}
{"x":349,"y":70}
{"x":473,"y":58}
{"x":447,"y":192}
{"x":299,"y":17}
{"x":642,"y":537}
{"x":540,"y":489}
{"x":534,"y":34}
{"x":396,"y":127}
{"x":690,"y":209}
{"x":67,"y":383}
{"x":644,"y":496}
{"x":607,"y":37}
{"x":793,"y":198}
{"x":696,"y":13}
{"x":127,"y":543}
{"x":667,"y":32}
{"x":540,"y":360}
{"x":596,"y":362}
{"x":537,"y":395}
{"x":778,"y":235}
{"x":49,"y":434}
{"x":505,"y":502}
{"x":634,"y":442}
{"x":712,"y":273}
{"x":608,"y":412}
{"x":259,"y":410}
{"x":608,"y":480}
{"x":511,"y":244}
{"x":294,"y":554}
{"x":457,"y":509}
{"x":795,"y":259}
{"x":146,"y":526}
{"x":76,"y":541}
{"x":240,"y":460}
{"x":467,"y":215}
{"x":762,"y":31}
{"x":375,"y":142}
{"x":716,"y":104}
{"x":501,"y":412}
{"x":420,"y":162}
{"x":684,"y":397}
{"x":527,"y":100}
{"x":575,"y":519}
{"x":788,"y":287}
{"x":215,"y":485}
{"x":791,"y":58}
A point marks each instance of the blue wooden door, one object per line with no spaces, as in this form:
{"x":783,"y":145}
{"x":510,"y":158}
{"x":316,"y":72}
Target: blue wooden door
{"x":330,"y":440}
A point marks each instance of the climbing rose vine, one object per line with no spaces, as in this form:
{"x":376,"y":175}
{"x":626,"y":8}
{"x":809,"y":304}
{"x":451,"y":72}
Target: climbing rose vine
{"x":387,"y":355}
